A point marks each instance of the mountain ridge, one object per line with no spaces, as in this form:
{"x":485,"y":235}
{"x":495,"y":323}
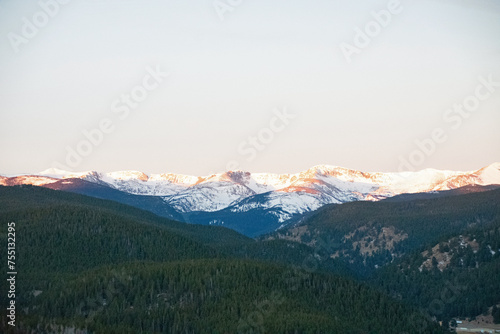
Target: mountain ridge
{"x":277,"y":199}
{"x":273,"y":181}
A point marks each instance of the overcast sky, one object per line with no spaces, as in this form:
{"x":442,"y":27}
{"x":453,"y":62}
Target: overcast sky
{"x":358,"y":102}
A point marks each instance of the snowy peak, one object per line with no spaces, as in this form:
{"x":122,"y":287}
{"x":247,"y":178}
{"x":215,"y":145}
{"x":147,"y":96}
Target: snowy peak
{"x":180,"y":179}
{"x":486,"y":175}
{"x":34,"y":180}
{"x":128,"y":175}
{"x":55,"y":172}
{"x":62,"y":174}
{"x":240,"y":177}
{"x":489,"y":174}
{"x":336,"y":171}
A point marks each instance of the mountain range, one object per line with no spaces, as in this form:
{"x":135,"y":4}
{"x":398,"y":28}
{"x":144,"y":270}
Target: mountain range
{"x":253,"y":203}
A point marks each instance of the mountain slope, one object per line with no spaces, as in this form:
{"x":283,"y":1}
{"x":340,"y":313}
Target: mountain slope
{"x":455,"y":277}
{"x":441,"y":254}
{"x":367,"y":235}
{"x":19,"y":200}
{"x":150,"y":203}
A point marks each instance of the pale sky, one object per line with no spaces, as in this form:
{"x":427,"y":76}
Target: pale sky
{"x":227,"y":78}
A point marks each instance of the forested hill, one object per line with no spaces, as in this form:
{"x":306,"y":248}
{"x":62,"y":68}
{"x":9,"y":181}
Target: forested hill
{"x":102,"y":267}
{"x":441,"y":255}
{"x":20,"y":199}
{"x":457,"y":277}
{"x":369,"y":235}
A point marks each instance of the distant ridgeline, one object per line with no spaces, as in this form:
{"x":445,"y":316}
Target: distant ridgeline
{"x":255,"y":204}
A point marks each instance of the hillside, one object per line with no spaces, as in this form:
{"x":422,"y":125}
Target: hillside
{"x":368,"y":235}
{"x":457,"y":277}
{"x":219,"y":296}
{"x":441,"y":254}
{"x":17,"y":200}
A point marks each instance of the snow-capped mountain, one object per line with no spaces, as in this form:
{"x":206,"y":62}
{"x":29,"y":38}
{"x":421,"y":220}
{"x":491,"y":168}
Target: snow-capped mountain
{"x":281,"y":196}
